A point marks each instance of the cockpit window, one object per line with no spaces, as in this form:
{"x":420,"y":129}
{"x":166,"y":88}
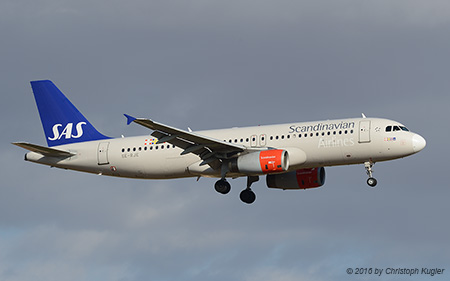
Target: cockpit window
{"x":396,"y":128}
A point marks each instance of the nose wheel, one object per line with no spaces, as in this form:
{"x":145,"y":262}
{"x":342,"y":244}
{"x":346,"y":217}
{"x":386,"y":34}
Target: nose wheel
{"x":371,"y":181}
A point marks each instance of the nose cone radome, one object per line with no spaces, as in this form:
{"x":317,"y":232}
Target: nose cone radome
{"x":418,"y":142}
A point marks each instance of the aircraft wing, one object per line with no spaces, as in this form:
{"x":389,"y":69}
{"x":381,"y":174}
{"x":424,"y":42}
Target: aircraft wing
{"x":46,"y":151}
{"x":209,"y":149}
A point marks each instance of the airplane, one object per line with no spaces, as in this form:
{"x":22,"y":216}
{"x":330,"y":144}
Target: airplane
{"x":291,"y":156}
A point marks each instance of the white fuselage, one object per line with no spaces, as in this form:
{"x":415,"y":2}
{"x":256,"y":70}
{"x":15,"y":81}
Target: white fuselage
{"x":325,"y":143}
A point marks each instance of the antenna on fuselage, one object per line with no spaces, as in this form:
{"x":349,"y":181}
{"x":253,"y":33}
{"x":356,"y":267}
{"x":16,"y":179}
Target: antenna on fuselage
{"x":363,"y":115}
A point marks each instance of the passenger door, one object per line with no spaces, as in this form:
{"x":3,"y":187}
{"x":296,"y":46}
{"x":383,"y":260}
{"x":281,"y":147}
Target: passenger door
{"x":364,"y":131}
{"x":102,"y":153}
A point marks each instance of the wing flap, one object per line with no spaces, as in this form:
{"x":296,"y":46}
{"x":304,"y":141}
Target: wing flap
{"x":46,"y":151}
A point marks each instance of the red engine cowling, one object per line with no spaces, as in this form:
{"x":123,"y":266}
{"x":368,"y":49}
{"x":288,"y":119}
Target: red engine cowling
{"x":261,"y":162}
{"x":299,"y":179}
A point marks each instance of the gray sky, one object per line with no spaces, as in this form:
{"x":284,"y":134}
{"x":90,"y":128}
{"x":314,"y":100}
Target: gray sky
{"x":214,"y":64}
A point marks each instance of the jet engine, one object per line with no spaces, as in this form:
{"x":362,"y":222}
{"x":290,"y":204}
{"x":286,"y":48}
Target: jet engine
{"x":298,"y":179}
{"x":261,"y":162}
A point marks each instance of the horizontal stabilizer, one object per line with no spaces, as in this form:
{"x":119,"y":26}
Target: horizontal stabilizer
{"x":46,"y":151}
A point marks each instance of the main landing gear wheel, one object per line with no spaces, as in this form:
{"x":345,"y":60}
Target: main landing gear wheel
{"x":222,"y":186}
{"x":371,"y":181}
{"x":247,"y":196}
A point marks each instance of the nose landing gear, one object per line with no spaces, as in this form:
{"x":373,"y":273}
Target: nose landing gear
{"x":371,"y":181}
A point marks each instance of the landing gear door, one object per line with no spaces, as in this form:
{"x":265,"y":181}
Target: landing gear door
{"x":102,"y":153}
{"x":364,"y":131}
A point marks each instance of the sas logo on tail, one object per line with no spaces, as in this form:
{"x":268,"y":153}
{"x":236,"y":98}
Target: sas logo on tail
{"x":67,"y":132}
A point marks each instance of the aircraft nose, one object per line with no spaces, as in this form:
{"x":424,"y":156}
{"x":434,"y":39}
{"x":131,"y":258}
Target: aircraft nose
{"x":418,"y":142}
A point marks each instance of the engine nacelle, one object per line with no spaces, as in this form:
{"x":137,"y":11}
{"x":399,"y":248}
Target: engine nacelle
{"x":299,"y":179}
{"x":261,"y":162}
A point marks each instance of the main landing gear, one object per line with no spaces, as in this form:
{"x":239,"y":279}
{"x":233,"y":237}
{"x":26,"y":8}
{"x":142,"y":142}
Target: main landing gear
{"x":222,"y":186}
{"x":247,"y":195}
{"x":371,"y":181}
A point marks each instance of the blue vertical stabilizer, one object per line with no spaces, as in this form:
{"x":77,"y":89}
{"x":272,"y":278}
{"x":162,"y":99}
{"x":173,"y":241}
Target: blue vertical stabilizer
{"x":62,"y":122}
